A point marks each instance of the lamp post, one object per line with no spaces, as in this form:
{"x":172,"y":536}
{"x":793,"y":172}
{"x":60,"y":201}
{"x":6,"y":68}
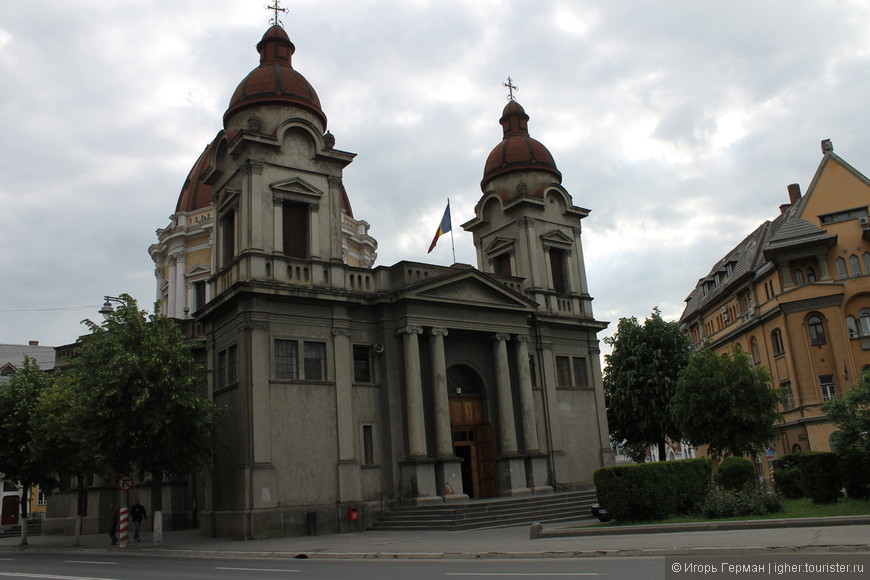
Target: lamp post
{"x":107,"y":305}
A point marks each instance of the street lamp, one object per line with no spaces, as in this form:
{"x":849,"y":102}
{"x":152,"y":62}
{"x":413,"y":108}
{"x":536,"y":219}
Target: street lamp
{"x":107,"y":305}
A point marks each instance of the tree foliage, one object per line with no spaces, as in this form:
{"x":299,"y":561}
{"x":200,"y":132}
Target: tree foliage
{"x":851,"y":416}
{"x":726,"y":403}
{"x":137,"y":376}
{"x":640,"y":377}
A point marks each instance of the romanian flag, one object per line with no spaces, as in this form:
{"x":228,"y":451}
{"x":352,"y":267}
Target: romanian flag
{"x":442,"y":229}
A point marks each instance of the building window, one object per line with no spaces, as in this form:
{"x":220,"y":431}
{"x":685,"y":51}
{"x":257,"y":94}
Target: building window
{"x":852,"y":326}
{"x":368,"y":445}
{"x":841,"y":268}
{"x":286,"y":360}
{"x":581,"y":374}
{"x":811,"y":275}
{"x":855,"y":264}
{"x":362,"y":364}
{"x":867,"y":261}
{"x":776,"y":341}
{"x":315,"y":361}
{"x":198,"y":295}
{"x":563,"y":371}
{"x":817,"y":331}
{"x":558,"y":268}
{"x":227,"y":367}
{"x":501,"y":264}
{"x":829,"y":390}
{"x":799,"y":277}
{"x":864,"y":321}
{"x":228,"y":237}
{"x":787,"y":395}
{"x":533,"y":371}
{"x":756,"y":355}
{"x":295,"y":229}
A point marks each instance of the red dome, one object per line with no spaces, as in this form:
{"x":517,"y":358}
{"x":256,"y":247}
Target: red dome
{"x":275,"y":82}
{"x":194,"y":193}
{"x":517,"y":151}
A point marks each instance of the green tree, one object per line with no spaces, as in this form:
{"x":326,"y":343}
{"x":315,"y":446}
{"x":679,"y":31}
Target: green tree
{"x":851,"y":416}
{"x":726,"y":403}
{"x":640,"y":377}
{"x":138,"y":377}
{"x":18,"y":462}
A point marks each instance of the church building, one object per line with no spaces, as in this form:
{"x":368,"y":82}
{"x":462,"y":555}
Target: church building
{"x":351,"y":384}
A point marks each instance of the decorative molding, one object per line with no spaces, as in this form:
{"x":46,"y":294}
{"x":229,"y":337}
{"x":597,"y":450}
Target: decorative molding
{"x":340,"y":332}
{"x":256,"y":166}
{"x":522,"y":338}
{"x":438,"y":331}
{"x":501,"y":336}
{"x":334,"y":181}
{"x":410,"y":329}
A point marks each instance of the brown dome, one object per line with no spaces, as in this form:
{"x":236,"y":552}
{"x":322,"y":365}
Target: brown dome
{"x":517,"y":151}
{"x":275,"y":82}
{"x":195,"y":194}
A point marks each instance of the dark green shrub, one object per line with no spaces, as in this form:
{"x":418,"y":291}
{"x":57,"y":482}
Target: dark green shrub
{"x":751,"y":500}
{"x":855,"y":471}
{"x":821,"y":474}
{"x":650,"y":491}
{"x":735,"y":473}
{"x":787,"y":476}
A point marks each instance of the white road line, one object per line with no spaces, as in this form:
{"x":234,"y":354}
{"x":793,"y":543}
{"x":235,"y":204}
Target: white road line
{"x":90,"y":562}
{"x":256,"y":569}
{"x":48,"y":576}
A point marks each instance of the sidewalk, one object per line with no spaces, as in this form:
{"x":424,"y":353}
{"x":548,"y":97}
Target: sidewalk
{"x":816,"y":535}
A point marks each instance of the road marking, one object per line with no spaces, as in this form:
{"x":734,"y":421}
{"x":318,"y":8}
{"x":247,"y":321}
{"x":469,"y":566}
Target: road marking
{"x":90,"y":562}
{"x":256,"y":569}
{"x":48,"y":576}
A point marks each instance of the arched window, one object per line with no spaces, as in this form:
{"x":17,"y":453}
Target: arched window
{"x":864,"y":322}
{"x":867,"y":261}
{"x":811,"y":275}
{"x":776,"y":341}
{"x":817,"y":330}
{"x":799,"y":277}
{"x":852,"y":326}
{"x":796,"y":448}
{"x":841,"y":268}
{"x":855,"y":264}
{"x":756,"y":355}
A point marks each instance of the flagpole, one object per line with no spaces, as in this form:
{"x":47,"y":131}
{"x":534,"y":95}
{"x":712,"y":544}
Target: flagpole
{"x":452,"y":247}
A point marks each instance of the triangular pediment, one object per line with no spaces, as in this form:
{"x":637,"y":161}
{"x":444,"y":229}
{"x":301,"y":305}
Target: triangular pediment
{"x":198,"y":270}
{"x":499,"y":245}
{"x":557,"y":238}
{"x":296,"y":186}
{"x":471,"y":288}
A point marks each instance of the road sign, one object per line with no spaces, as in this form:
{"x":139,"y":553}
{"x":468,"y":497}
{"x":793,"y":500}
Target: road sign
{"x":125,"y":482}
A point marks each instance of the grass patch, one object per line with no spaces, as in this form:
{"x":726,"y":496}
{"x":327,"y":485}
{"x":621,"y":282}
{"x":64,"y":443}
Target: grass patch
{"x":794,"y":508}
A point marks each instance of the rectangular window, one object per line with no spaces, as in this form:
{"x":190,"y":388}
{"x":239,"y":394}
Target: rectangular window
{"x":232,"y":365}
{"x":787,"y":395}
{"x":501,"y":264}
{"x":295,"y":225}
{"x":533,"y":371}
{"x":198,"y":295}
{"x":368,"y":445}
{"x":829,"y":390}
{"x":362,"y":364}
{"x":228,"y":237}
{"x":558,"y":269}
{"x":581,"y":375}
{"x":222,"y":369}
{"x":315,"y":361}
{"x":286,"y":360}
{"x":563,"y":371}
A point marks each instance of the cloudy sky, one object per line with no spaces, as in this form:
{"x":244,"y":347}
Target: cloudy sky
{"x":678,"y":123}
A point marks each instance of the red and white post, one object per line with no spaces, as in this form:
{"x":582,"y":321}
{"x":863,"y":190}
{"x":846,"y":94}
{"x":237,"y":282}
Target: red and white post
{"x":123,"y":536}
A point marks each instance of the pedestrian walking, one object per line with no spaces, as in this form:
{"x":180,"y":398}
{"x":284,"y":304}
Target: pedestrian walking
{"x":137,"y":514}
{"x":113,"y":525}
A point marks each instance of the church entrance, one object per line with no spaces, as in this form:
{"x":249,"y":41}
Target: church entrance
{"x":472,"y":435}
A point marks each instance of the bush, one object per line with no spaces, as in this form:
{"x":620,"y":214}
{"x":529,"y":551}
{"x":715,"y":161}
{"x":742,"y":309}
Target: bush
{"x":821,"y":475}
{"x":855,"y":471}
{"x":752,"y":499}
{"x":787,"y":476}
{"x":651,"y":491}
{"x":735,"y":473}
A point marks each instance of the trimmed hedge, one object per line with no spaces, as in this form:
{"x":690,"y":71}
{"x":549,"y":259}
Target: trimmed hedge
{"x":787,"y":478}
{"x":821,"y":473}
{"x":651,"y":491}
{"x":855,"y":471}
{"x":735,"y":473}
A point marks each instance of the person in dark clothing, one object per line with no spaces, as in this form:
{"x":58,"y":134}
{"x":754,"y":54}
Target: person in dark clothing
{"x":137,"y":514}
{"x":113,"y":525}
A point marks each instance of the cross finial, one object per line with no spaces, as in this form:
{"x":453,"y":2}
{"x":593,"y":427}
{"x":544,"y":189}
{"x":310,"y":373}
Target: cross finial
{"x":276,"y":8}
{"x":511,"y":87}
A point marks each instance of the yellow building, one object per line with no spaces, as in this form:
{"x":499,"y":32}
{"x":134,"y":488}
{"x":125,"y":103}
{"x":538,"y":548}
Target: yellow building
{"x":795,"y":295}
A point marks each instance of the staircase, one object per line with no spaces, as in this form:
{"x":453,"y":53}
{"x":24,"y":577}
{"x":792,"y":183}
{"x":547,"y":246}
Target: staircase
{"x":34,"y":528}
{"x":490,"y":513}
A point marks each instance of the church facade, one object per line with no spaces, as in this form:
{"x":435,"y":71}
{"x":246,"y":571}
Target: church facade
{"x":351,"y":384}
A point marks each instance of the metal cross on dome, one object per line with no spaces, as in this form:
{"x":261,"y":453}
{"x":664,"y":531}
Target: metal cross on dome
{"x":276,"y":8}
{"x":511,"y":87}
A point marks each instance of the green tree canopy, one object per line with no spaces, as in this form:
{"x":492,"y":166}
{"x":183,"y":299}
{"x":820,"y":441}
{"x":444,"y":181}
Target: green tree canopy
{"x":851,"y":416}
{"x":640,"y":377}
{"x":18,"y":462}
{"x":726,"y":403}
{"x":137,"y":375}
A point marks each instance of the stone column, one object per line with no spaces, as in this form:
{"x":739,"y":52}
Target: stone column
{"x":510,"y":464}
{"x":448,"y":470}
{"x":180,"y":285}
{"x":414,"y":392}
{"x":349,"y":487}
{"x":255,"y":347}
{"x":170,"y":292}
{"x":277,"y":224}
{"x":535,"y":461}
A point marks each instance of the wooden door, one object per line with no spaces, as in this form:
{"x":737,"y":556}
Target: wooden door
{"x":472,"y":441}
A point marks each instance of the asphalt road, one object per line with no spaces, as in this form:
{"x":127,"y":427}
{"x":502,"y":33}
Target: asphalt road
{"x":103,"y":567}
